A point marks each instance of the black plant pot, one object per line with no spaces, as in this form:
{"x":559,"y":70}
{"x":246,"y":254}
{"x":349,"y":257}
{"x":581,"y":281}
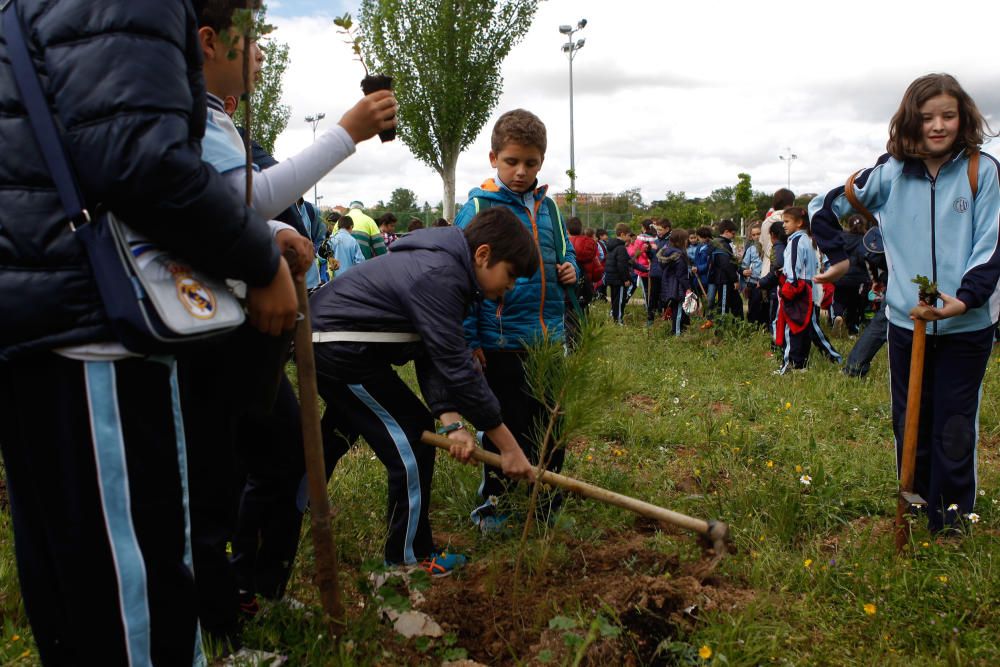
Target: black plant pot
{"x":369,"y":85}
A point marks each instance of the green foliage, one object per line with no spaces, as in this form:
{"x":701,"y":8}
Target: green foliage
{"x":402,"y":199}
{"x":346,"y":25}
{"x":445,"y":59}
{"x":928,"y":293}
{"x":270,"y":116}
{"x":744,"y":196}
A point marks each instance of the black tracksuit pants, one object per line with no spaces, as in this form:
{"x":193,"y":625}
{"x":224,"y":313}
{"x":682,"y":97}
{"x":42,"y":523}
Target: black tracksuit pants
{"x":522,"y":413}
{"x":796,"y":351}
{"x":391,"y":419}
{"x":954,"y":367}
{"x":270,"y":518}
{"x":96,"y":475}
{"x":619,"y":297}
{"x":757,"y":310}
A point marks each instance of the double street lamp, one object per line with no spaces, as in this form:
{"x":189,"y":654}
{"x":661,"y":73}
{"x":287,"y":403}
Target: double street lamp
{"x":570,"y":48}
{"x":314,"y":121}
{"x":789,"y":157}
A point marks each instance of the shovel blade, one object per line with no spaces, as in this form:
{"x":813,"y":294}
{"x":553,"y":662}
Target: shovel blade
{"x":914,"y":499}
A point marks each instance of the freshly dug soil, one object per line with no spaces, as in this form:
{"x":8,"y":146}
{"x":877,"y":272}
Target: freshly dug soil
{"x":651,"y":594}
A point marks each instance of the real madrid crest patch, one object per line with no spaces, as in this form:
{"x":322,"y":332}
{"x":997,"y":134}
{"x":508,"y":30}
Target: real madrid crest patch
{"x":196,"y":297}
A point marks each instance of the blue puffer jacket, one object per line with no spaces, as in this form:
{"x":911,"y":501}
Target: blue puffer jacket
{"x":535,"y":307}
{"x":131,"y":106}
{"x":425,"y":285}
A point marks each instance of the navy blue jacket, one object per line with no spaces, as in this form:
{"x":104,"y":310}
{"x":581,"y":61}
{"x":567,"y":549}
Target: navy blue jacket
{"x":131,"y":106}
{"x":426,"y":285}
{"x":675,"y":274}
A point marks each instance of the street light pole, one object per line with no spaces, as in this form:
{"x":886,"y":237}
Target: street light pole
{"x":314,"y":121}
{"x":789,"y":157}
{"x":570,"y":48}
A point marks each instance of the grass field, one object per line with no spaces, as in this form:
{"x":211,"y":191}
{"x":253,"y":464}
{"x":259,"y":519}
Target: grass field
{"x":800,"y":466}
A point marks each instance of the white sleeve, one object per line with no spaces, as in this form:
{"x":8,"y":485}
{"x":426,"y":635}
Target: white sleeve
{"x":280,"y":186}
{"x":276,"y":226}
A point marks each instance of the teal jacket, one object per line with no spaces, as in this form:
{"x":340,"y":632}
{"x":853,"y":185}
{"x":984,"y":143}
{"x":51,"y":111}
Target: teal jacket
{"x":534,"y":309}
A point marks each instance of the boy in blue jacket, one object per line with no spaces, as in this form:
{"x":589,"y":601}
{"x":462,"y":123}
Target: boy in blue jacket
{"x":939,"y":199}
{"x":500,"y":330}
{"x":409,"y":305}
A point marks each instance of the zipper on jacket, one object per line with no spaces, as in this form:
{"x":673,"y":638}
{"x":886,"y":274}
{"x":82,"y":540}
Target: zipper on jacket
{"x":541,"y":261}
{"x":934,"y":325}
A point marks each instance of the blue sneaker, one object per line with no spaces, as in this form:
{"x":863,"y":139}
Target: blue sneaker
{"x":442,"y":564}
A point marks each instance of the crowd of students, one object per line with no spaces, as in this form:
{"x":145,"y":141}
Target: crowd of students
{"x":130,"y":477}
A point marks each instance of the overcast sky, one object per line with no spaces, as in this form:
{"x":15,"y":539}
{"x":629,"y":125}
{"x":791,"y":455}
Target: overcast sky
{"x":675,"y":96}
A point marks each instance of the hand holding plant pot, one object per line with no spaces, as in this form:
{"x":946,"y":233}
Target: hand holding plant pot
{"x":374,"y":113}
{"x":372,"y":82}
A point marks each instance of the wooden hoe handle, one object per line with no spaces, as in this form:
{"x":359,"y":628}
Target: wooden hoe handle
{"x":715,"y":531}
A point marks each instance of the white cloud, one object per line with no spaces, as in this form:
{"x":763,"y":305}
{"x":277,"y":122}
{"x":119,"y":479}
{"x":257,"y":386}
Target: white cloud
{"x":674,"y":96}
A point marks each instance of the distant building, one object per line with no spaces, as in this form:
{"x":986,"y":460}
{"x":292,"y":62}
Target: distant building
{"x":585,"y":198}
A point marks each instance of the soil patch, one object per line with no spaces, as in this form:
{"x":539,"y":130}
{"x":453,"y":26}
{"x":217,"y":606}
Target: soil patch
{"x":652,"y":594}
{"x":642,"y":403}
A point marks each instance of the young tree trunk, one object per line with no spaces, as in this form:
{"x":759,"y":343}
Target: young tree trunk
{"x":448,"y":178}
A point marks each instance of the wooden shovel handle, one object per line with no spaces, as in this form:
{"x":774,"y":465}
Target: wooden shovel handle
{"x":911,"y":425}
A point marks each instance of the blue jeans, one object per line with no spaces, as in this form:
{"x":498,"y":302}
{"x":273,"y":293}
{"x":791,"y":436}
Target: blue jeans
{"x":872,"y":339}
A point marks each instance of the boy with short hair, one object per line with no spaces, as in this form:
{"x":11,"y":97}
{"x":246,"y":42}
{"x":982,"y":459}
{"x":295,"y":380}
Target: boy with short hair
{"x":427,"y":284}
{"x":346,"y":250}
{"x":724,"y":274}
{"x":701,"y":258}
{"x":500,"y":330}
{"x":265,"y":445}
{"x":618,"y":271}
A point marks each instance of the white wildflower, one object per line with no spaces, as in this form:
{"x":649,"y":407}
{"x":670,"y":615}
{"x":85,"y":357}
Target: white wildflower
{"x":806,"y":480}
{"x":953,"y":507}
{"x":972,"y":517}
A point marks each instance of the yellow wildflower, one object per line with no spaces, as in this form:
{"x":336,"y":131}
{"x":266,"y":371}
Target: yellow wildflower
{"x":15,"y":638}
{"x":808,"y":562}
{"x":770,"y":464}
{"x":705,"y":652}
{"x":788,"y":406}
{"x":798,"y":468}
{"x":870,"y":609}
{"x":589,"y":457}
{"x":943,"y":578}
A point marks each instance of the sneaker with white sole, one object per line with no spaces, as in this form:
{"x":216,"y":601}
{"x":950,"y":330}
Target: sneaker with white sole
{"x":442,"y":564}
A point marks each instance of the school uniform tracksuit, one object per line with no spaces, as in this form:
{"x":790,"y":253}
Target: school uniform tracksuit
{"x":800,"y":265}
{"x":936,"y":227}
{"x":756,"y":296}
{"x":616,"y":272}
{"x":424,"y":288}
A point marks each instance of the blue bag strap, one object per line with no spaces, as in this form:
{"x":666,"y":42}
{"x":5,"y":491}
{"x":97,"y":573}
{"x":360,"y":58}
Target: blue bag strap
{"x":40,"y":116}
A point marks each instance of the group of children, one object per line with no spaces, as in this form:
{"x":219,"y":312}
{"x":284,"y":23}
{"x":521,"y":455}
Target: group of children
{"x":100,"y":494}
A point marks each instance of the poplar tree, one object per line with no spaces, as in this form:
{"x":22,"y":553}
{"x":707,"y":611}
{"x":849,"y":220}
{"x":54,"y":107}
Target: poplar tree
{"x":444,"y":57}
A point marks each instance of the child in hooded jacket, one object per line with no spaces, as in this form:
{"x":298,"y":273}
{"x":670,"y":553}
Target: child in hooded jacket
{"x":675,"y":279}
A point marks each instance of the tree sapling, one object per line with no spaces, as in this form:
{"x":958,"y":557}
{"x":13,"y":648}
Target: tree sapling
{"x":371,"y":82}
{"x":929,"y":293}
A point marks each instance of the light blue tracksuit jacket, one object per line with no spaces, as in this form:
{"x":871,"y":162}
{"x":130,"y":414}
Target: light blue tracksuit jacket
{"x":931,"y":227}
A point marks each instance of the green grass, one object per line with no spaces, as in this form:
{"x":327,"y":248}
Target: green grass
{"x":704,"y":428}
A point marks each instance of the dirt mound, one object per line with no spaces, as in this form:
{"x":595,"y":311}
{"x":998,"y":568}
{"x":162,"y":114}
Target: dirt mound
{"x":650,"y":595}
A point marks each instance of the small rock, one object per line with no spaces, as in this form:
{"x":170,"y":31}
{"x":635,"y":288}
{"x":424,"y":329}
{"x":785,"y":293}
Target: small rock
{"x":414,"y":624}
